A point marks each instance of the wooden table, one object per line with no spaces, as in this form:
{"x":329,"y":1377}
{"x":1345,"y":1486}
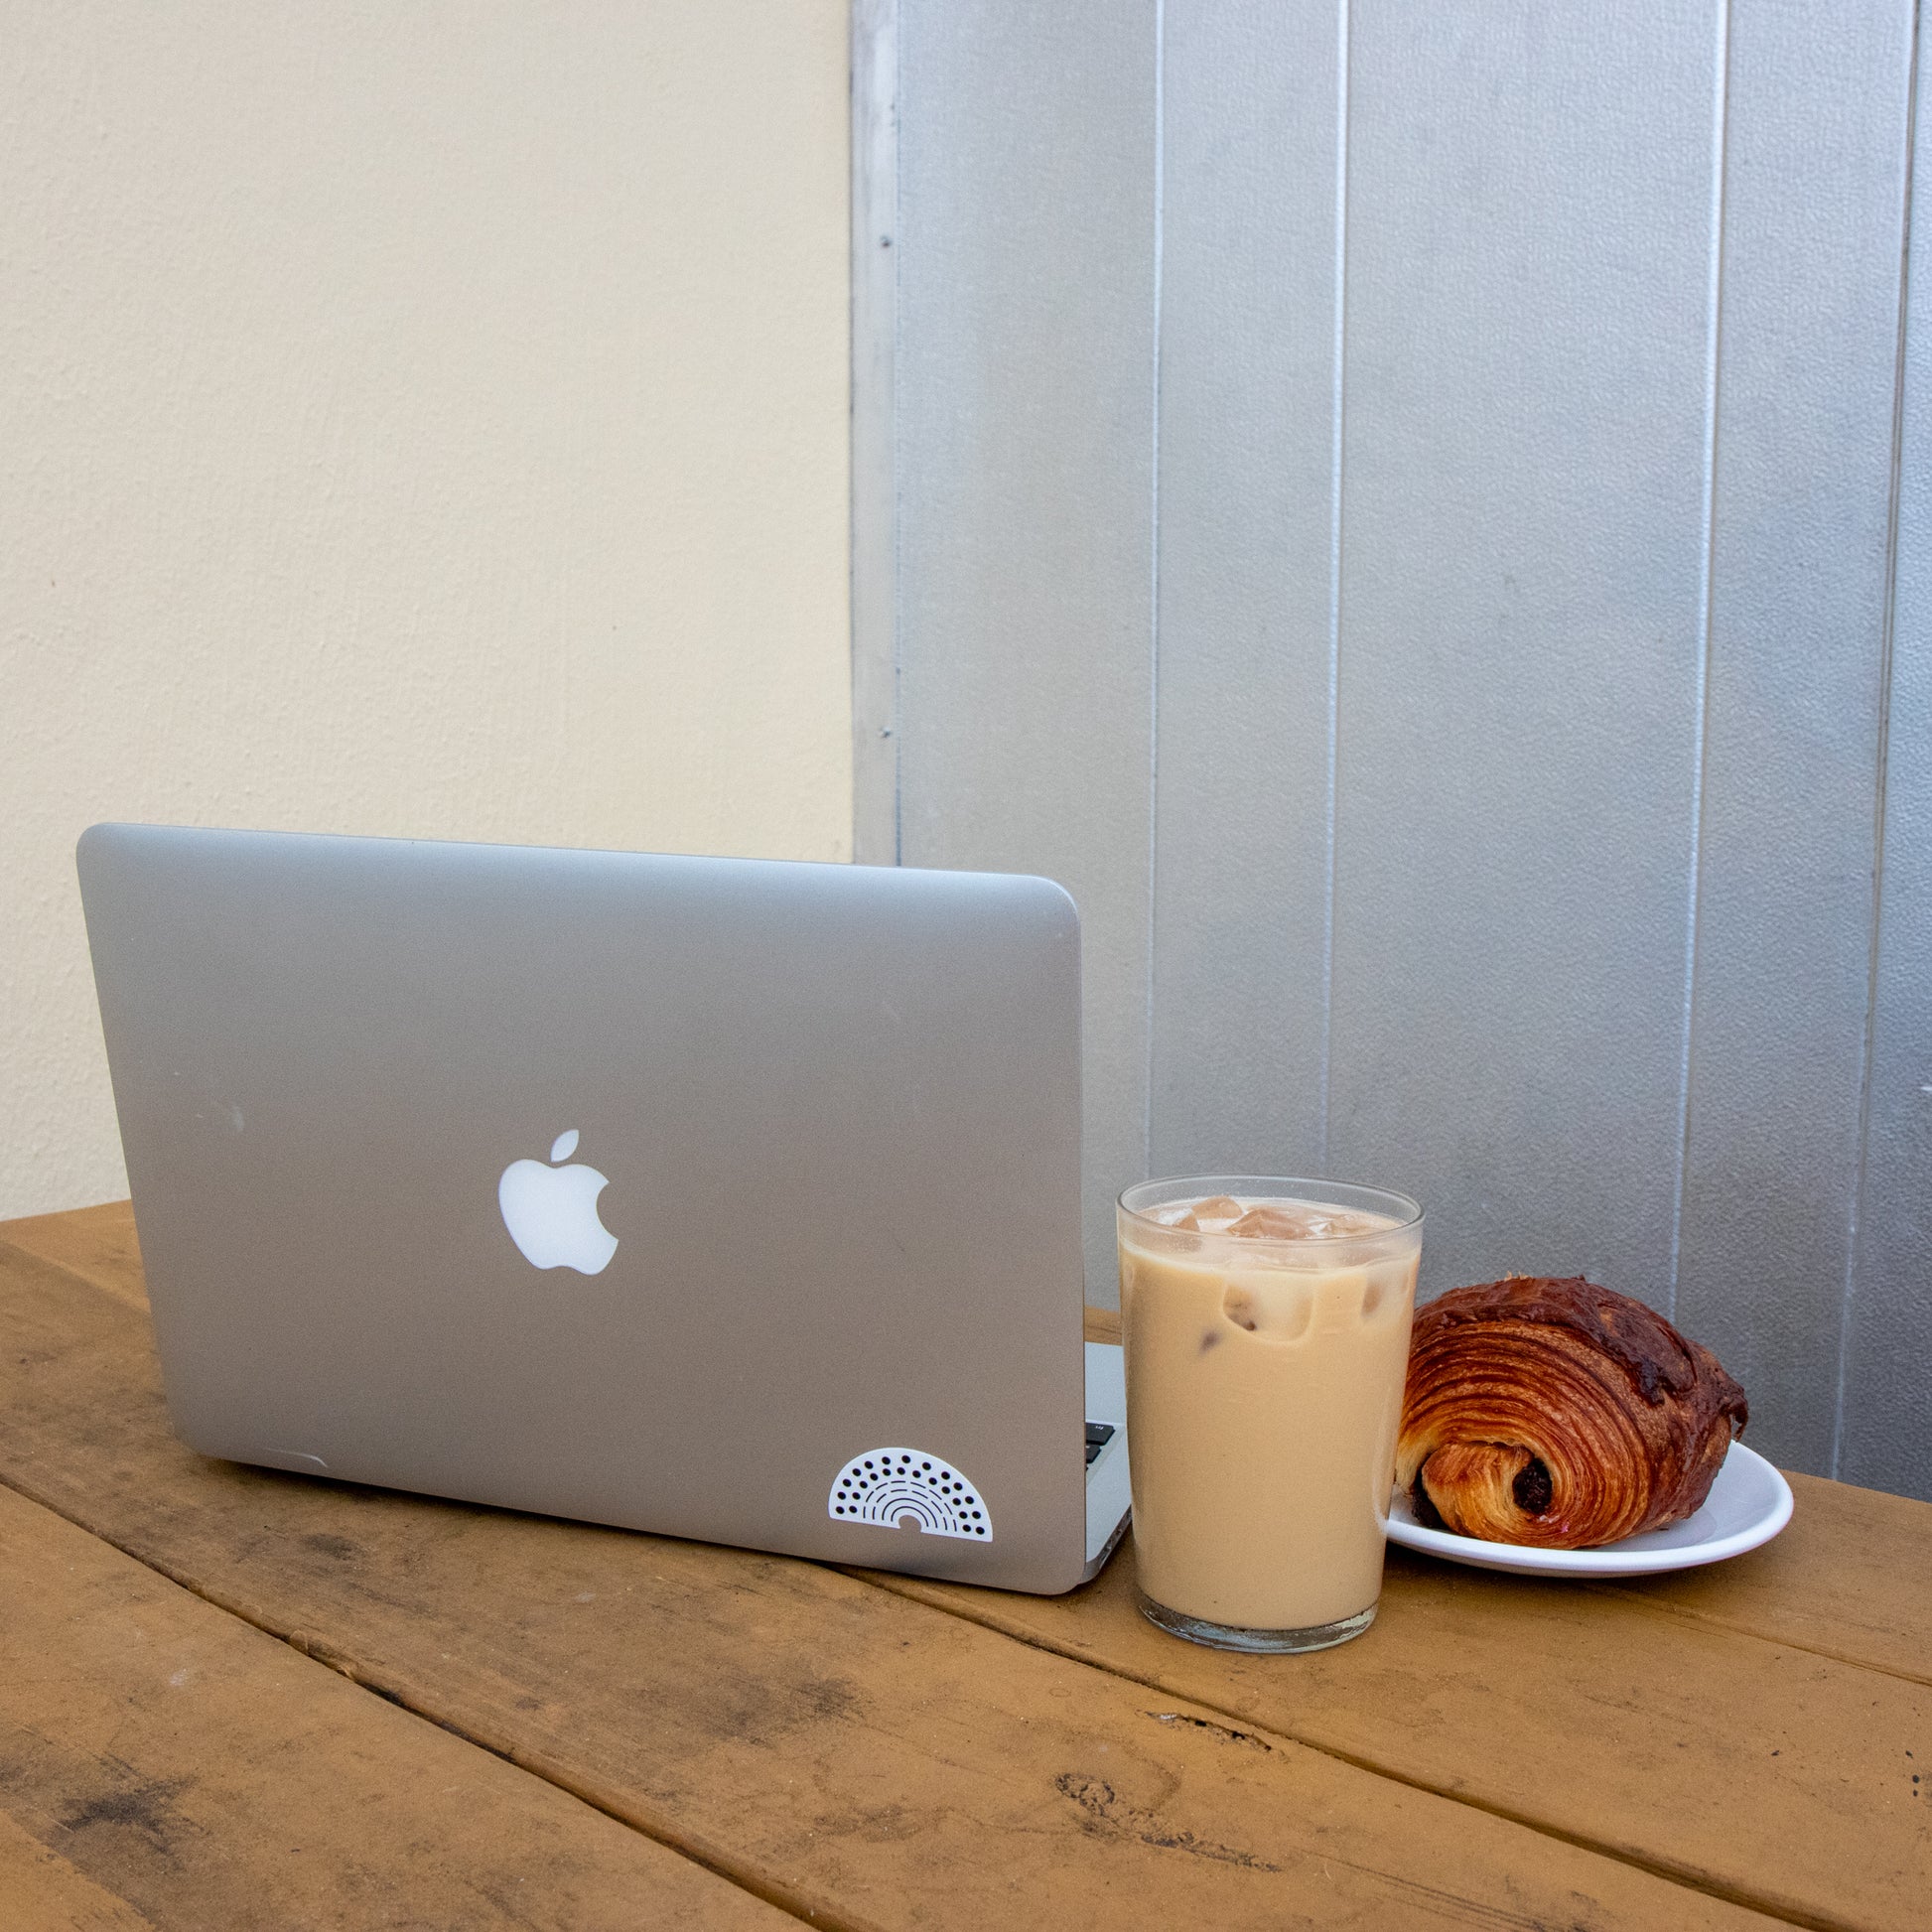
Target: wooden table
{"x":234,"y":1698}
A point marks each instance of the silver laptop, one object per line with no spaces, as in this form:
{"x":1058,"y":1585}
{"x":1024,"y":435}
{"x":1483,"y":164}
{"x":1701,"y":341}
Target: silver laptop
{"x":717,"y":1197}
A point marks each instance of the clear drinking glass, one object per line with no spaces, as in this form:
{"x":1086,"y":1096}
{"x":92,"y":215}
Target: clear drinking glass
{"x":1263,"y":1391}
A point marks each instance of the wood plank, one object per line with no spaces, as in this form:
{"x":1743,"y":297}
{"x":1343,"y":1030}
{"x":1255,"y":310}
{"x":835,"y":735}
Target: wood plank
{"x":850,"y":1753}
{"x":44,"y":1892}
{"x":1850,"y":1577}
{"x":155,"y":1749}
{"x":1745,"y":1768}
{"x":97,"y":1242}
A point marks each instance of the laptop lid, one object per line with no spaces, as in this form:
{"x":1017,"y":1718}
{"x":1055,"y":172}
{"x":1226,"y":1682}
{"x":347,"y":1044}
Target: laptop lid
{"x":725,"y":1198}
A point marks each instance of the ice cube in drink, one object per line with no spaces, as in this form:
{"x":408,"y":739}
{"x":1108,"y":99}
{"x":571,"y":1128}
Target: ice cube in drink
{"x":1267,"y":1334}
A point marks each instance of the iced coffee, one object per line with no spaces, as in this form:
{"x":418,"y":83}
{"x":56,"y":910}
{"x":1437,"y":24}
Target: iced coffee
{"x":1267,"y":1332}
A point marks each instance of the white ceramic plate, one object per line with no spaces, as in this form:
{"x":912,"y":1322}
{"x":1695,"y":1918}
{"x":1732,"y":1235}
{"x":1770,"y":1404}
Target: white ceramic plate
{"x":1748,"y":1504}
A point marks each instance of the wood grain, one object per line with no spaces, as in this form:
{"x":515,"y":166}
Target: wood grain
{"x":97,"y":1242}
{"x":1102,"y":1324}
{"x":158,"y":1751}
{"x":42,"y":1892}
{"x":1729,"y":1761}
{"x":1849,"y":1578}
{"x":848,"y":1752}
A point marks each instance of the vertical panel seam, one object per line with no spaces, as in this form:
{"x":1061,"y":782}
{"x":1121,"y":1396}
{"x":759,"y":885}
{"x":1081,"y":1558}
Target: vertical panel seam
{"x":1336,"y":453}
{"x":1719,"y":141}
{"x":1154,"y":570}
{"x":1882,"y":756}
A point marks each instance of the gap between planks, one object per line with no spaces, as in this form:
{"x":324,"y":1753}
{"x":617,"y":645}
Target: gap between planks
{"x":1240,"y":1726}
{"x":697,"y":1851}
{"x":248,"y":1746}
{"x":1684,"y":1613}
{"x":723,"y":1865}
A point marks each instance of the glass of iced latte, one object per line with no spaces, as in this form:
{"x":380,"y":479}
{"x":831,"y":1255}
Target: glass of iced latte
{"x":1267,"y":1331}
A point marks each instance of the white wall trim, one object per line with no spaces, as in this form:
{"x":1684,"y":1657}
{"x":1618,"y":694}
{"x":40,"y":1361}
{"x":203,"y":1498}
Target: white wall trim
{"x":875,"y":485}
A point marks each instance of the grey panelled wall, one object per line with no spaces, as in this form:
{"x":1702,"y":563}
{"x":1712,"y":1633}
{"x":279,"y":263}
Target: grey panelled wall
{"x":1885,"y":1417}
{"x":1025,"y":412}
{"x":1814,"y":199}
{"x":1399,"y":509}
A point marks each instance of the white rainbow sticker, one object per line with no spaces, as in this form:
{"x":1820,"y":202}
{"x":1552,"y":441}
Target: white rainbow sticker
{"x":889,"y":1486}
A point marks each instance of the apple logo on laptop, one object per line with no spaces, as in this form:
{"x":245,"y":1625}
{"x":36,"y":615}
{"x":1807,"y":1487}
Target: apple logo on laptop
{"x":551,"y":1211}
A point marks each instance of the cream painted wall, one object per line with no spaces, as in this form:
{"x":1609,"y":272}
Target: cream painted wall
{"x":414,"y":418}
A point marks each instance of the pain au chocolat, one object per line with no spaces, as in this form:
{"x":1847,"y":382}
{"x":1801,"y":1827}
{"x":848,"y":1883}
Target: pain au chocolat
{"x":1559,"y":1413}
